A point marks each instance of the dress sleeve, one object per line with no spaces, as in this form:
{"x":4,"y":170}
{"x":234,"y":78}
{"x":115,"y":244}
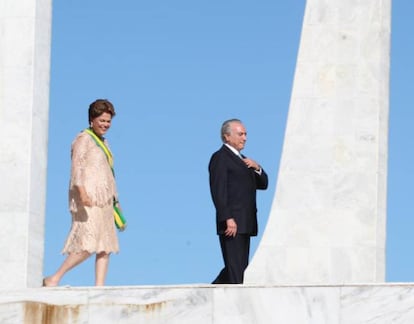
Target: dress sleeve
{"x":79,"y":158}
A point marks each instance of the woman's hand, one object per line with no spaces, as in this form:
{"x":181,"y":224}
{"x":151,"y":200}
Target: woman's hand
{"x":86,"y":201}
{"x":84,"y":197}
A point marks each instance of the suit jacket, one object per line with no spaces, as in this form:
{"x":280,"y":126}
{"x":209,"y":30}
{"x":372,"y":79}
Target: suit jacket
{"x":233,"y":189}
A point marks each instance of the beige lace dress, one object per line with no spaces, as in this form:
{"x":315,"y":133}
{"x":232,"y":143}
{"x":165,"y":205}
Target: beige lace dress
{"x":93,"y":228}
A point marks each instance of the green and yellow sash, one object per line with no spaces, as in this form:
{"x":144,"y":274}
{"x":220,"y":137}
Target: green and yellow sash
{"x":119,"y":219}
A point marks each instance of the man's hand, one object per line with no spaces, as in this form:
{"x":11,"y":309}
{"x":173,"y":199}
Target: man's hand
{"x":231,"y":229}
{"x":251,"y":164}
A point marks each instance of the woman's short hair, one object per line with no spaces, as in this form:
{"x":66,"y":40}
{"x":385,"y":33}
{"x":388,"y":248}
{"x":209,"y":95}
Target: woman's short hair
{"x":100,"y":106}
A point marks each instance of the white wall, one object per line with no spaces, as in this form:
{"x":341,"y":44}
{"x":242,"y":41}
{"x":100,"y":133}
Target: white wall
{"x":24,"y":102}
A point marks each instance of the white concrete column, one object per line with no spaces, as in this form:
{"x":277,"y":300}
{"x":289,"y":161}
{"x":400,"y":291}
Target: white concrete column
{"x":25,"y":32}
{"x":328,"y":219}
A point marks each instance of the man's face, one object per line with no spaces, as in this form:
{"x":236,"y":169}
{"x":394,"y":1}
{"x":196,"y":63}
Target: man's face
{"x":237,"y":137}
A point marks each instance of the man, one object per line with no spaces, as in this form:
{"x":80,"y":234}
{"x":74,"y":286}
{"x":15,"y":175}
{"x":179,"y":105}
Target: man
{"x":234,"y":180}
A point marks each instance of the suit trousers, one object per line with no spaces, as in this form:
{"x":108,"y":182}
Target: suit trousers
{"x":235,"y":252}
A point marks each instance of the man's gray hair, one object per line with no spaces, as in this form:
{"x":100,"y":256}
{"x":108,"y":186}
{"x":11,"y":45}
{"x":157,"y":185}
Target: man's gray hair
{"x":226,"y":127}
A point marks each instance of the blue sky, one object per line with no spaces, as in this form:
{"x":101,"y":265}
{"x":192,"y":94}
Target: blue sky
{"x":174,"y":71}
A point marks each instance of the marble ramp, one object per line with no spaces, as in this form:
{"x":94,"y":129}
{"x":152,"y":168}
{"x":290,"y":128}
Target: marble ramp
{"x":208,"y":304}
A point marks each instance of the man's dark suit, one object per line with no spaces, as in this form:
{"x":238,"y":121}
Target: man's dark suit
{"x":233,"y":189}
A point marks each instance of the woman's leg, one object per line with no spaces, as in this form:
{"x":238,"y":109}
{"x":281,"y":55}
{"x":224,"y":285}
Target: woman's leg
{"x":71,"y":261}
{"x":101,"y":268}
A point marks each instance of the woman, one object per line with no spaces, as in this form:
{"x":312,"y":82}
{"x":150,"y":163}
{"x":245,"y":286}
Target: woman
{"x":92,"y":193}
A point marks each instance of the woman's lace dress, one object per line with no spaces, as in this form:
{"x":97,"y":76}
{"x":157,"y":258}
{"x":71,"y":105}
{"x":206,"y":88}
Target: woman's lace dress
{"x":93,"y":228}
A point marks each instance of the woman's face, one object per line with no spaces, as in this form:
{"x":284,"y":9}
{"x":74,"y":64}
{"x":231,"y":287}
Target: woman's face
{"x":101,"y":124}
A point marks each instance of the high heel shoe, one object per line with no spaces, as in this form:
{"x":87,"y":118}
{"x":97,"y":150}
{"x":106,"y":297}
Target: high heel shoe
{"x":45,"y":284}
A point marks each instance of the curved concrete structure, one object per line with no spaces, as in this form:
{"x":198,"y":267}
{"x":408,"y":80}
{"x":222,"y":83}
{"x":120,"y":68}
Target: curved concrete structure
{"x":328,"y":219}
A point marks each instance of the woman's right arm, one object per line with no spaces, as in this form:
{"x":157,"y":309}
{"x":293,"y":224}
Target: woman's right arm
{"x":78,"y":168}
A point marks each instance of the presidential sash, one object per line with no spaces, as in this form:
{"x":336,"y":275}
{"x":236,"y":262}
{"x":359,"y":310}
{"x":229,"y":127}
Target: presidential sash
{"x":120,"y":221}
